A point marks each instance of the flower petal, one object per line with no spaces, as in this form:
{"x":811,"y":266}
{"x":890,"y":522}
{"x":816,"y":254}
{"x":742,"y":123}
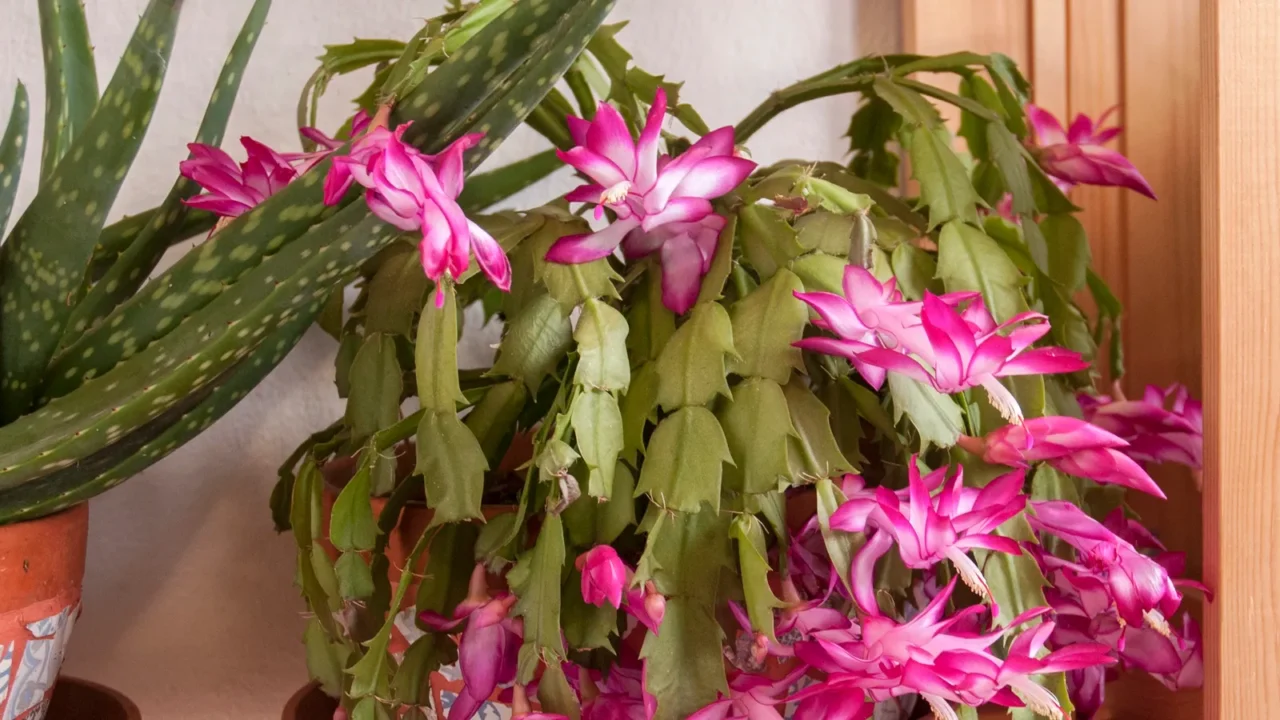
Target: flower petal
{"x":574,"y":249}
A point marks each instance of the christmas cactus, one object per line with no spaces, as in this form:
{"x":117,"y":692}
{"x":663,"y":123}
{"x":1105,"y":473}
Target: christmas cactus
{"x":757,"y":441}
{"x":106,"y":366}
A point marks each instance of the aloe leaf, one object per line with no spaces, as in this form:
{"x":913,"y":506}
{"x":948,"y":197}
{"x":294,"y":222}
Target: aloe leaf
{"x":117,"y":236}
{"x":70,"y":78}
{"x":155,"y":441}
{"x":43,"y":263}
{"x":132,"y":267}
{"x":284,"y":217}
{"x":490,"y":188}
{"x":11,"y":147}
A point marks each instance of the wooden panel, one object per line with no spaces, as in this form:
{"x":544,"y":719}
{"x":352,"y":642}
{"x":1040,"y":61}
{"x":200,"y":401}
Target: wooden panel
{"x":1161,"y":238}
{"x":1240,"y":156}
{"x":1093,"y":87}
{"x":1048,"y":67}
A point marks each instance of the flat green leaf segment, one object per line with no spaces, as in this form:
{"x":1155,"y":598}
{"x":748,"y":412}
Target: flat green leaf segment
{"x":70,"y":78}
{"x":12,"y":146}
{"x":43,"y":262}
{"x":536,"y":582}
{"x":128,"y":272}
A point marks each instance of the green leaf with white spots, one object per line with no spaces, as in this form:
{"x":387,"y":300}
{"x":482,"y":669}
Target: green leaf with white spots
{"x":691,"y":369}
{"x":597,"y":431}
{"x":766,"y":323}
{"x":452,"y":463}
{"x":162,"y":376}
{"x":70,"y":78}
{"x":12,"y":146}
{"x":757,"y":425}
{"x":684,"y":460}
{"x":157,"y":439}
{"x":135,"y":263}
{"x":535,"y":580}
{"x":970,"y":260}
{"x":43,"y":262}
{"x":602,"y":348}
{"x":534,"y":342}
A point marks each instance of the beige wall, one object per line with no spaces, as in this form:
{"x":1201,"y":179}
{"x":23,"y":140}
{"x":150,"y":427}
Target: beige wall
{"x":189,"y":602}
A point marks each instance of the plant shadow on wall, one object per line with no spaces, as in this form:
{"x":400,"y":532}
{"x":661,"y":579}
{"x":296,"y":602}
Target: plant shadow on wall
{"x":757,"y":440}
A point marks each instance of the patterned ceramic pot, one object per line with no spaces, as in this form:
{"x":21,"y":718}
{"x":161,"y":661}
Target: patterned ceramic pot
{"x":41,"y":570}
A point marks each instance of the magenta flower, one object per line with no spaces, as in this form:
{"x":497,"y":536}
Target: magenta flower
{"x":1079,"y":155}
{"x":928,"y":529}
{"x":414,"y":191}
{"x":647,"y":606}
{"x":1164,"y":426}
{"x":833,"y":701}
{"x":962,"y":350}
{"x":1140,"y":587}
{"x":870,"y":314}
{"x":659,"y":202}
{"x":326,"y":145}
{"x":797,"y":620}
{"x":487,"y":647}
{"x":231,"y":189}
{"x":1072,"y":446}
{"x":619,"y":695}
{"x":751,"y":697}
{"x":603,"y":575}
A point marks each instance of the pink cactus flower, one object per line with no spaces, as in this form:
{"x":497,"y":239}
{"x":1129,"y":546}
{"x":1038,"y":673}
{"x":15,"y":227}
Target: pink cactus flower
{"x":1164,"y":426}
{"x":870,"y":314}
{"x":487,"y":647}
{"x":797,"y":620}
{"x":1079,"y":154}
{"x":1140,"y":587}
{"x":603,"y":576}
{"x":619,"y":695}
{"x":1072,"y":446}
{"x":231,"y":189}
{"x":751,"y":697}
{"x":661,"y":203}
{"x":961,"y":350}
{"x":834,"y":701}
{"x":413,"y":191}
{"x":928,"y":529}
{"x":647,"y":606}
{"x":325,"y":145}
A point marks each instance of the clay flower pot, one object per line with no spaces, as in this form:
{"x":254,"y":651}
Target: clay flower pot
{"x":74,"y":699}
{"x":41,"y":571}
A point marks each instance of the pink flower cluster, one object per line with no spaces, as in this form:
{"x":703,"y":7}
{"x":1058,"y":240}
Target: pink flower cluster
{"x":950,"y":341}
{"x":1079,"y":155}
{"x":1166,"y":425}
{"x":1121,"y":590}
{"x":661,"y":204}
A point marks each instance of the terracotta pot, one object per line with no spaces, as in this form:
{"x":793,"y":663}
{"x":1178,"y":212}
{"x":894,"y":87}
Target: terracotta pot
{"x":41,"y":570}
{"x":76,"y":699}
{"x":309,"y":703}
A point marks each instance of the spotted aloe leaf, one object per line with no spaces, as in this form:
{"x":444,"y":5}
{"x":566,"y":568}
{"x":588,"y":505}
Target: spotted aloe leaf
{"x":43,"y":262}
{"x":281,"y":219}
{"x":117,"y":236}
{"x":154,"y":441}
{"x":135,"y":263}
{"x":11,"y":147}
{"x":70,"y":78}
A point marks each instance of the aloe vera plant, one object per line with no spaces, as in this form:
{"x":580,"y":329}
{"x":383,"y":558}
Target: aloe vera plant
{"x":763,"y":441}
{"x":106,"y":366}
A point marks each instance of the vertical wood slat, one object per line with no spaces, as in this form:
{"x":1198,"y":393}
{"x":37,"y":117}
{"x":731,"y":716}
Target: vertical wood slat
{"x":1240,"y":155}
{"x":1048,"y":67}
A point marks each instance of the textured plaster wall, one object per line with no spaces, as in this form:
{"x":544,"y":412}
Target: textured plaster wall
{"x":189,"y":605}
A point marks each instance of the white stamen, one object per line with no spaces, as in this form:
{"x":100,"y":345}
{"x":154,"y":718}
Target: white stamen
{"x":1037,"y":698}
{"x":1155,"y":619}
{"x":615,"y":194}
{"x":1003,"y":400}
{"x":969,"y":573}
{"x":942,"y":709}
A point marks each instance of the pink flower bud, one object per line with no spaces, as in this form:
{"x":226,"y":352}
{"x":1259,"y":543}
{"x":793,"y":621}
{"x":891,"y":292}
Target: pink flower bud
{"x":603,"y":576}
{"x":655,"y":604}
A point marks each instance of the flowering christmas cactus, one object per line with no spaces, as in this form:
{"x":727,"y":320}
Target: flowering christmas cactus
{"x":759,"y":441}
